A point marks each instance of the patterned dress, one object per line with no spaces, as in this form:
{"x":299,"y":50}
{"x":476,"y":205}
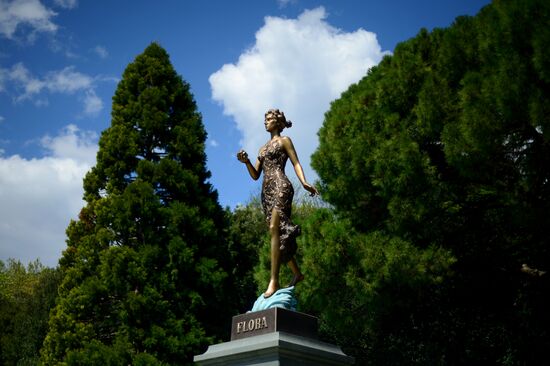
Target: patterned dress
{"x":277,"y":192}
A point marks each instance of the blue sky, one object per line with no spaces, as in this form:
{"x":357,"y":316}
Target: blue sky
{"x":60,"y":61}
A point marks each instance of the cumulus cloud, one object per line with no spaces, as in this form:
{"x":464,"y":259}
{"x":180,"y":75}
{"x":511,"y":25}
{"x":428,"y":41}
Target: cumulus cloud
{"x":24,"y":81}
{"x":42,"y":102}
{"x":25,"y":13}
{"x":3,"y":78}
{"x":38,"y":197}
{"x":92,"y":103}
{"x":72,"y":143}
{"x":65,"y":81}
{"x":299,"y":66}
{"x":284,"y":3}
{"x":67,"y":4}
{"x":101,"y":51}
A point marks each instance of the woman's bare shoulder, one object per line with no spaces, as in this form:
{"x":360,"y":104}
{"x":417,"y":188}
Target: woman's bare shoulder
{"x":286,"y":141}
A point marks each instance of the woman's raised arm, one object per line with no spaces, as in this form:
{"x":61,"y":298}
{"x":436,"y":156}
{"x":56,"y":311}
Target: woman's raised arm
{"x":254,"y":171}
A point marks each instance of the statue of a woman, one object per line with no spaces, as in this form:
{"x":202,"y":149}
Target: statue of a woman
{"x":277,"y":193}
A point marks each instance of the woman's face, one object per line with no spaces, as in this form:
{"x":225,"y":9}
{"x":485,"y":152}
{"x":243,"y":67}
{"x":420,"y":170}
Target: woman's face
{"x":270,"y":122}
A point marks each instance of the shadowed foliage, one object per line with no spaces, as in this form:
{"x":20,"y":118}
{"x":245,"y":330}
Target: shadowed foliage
{"x":437,"y":165}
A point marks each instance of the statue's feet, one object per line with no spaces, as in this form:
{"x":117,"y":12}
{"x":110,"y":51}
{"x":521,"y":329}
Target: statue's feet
{"x":296,"y":279}
{"x":271,"y":289}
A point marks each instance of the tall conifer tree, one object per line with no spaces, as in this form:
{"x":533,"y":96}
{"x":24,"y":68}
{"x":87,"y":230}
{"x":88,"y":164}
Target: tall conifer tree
{"x":144,"y":261}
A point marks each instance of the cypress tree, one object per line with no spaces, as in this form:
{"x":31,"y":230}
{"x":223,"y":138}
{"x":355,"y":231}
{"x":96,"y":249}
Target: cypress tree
{"x":144,"y":262}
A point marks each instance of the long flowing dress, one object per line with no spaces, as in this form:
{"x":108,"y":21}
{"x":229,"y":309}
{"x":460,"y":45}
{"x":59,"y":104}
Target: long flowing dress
{"x":277,"y":192}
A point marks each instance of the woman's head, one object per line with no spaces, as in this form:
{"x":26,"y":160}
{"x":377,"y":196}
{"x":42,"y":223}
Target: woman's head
{"x":279,"y":117}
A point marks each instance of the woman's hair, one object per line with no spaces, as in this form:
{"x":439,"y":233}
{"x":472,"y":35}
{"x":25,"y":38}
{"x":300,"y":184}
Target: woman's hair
{"x":281,"y":119}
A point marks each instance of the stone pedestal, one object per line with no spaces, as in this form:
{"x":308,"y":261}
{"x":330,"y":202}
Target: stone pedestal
{"x":274,"y":337}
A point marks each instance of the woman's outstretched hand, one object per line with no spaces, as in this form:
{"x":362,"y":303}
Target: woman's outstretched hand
{"x":242,"y":156}
{"x":311,"y":189}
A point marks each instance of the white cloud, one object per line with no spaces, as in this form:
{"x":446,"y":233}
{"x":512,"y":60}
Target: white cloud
{"x":299,"y":66}
{"x":73,"y":144}
{"x":42,"y":102}
{"x":101,"y":52}
{"x":31,"y":13}
{"x":92,"y":103}
{"x":67,"y":4}
{"x":211,"y":142}
{"x":284,"y":3}
{"x":3,"y":78}
{"x":65,"y":81}
{"x":39,"y":196}
{"x":23,"y":80}
{"x":2,"y":119}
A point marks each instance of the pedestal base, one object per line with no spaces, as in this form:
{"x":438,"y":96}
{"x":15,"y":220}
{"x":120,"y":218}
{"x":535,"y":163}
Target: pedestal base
{"x":272,"y":320}
{"x":277,"y":348}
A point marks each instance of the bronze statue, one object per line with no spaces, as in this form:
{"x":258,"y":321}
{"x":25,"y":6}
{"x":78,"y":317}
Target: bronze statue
{"x":277,"y":193}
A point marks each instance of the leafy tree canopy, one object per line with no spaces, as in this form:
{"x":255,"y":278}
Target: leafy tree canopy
{"x":26,"y":296}
{"x":444,"y":148}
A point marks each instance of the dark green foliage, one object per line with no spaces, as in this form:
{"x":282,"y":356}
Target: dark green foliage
{"x":146,"y":263}
{"x":26,"y":297}
{"x":248,"y":234}
{"x":368,"y":288}
{"x":443,"y":151}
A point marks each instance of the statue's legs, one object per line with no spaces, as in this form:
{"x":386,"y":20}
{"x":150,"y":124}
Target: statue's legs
{"x":275,"y":253}
{"x":298,"y":276}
